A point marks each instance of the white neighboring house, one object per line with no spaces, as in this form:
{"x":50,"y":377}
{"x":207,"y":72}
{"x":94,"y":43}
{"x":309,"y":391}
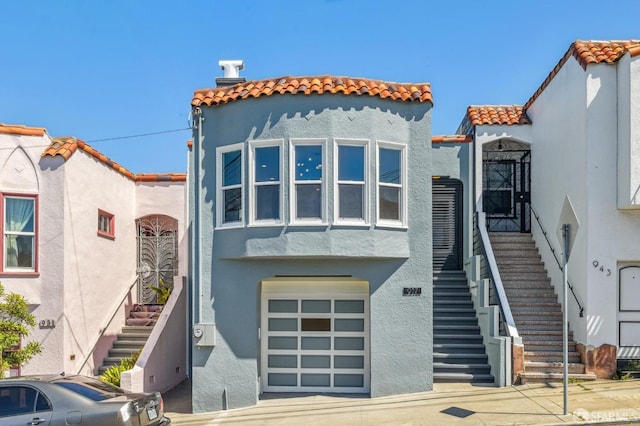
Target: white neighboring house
{"x":580,"y":135}
{"x":70,"y":222}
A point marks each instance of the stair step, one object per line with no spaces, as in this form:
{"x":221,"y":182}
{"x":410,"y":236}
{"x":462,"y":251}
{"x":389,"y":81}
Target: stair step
{"x":137,"y":329}
{"x":459,"y":358}
{"x":462,"y":377}
{"x":128,"y":343}
{"x":540,"y":316}
{"x":548,"y":345}
{"x":456,"y":329}
{"x":553,"y":367}
{"x":456,"y":338}
{"x":552,"y":377}
{"x":461,"y":348}
{"x":124,"y":352}
{"x":451,"y":296}
{"x":546,"y":356}
{"x":452,"y":320}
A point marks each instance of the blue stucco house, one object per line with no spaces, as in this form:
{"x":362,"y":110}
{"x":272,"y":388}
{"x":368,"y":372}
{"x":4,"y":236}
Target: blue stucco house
{"x":311,"y":251}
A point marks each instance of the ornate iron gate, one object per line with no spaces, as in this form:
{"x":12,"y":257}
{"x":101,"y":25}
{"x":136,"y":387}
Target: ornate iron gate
{"x":506,"y":186}
{"x":157,"y":255}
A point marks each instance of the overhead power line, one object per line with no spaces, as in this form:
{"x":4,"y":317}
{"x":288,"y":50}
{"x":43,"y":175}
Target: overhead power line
{"x":140,"y":135}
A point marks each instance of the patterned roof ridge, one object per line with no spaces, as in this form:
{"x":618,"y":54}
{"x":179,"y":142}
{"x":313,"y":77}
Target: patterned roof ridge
{"x":589,"y":52}
{"x":452,"y":139}
{"x":497,"y":114}
{"x":21,"y":129}
{"x":66,"y":146}
{"x":410,"y":92}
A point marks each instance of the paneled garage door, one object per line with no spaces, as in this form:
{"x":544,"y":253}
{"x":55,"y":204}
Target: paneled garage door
{"x":316,"y":340}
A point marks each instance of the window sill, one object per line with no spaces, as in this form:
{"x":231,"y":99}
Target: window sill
{"x":302,"y":224}
{"x":234,"y":226}
{"x":391,"y":226}
{"x":107,"y":236}
{"x":265,"y":225}
{"x":351,"y":225}
{"x":19,"y":274}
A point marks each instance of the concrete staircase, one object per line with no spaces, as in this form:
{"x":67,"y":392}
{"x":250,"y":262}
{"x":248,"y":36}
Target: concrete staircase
{"x":133,"y":336}
{"x":535,"y":309}
{"x":458,"y":351}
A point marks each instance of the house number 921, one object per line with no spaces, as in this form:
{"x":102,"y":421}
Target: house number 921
{"x":601,"y":268}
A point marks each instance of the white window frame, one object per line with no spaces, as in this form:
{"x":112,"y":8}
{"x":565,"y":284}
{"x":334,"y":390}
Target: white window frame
{"x":220,"y":189}
{"x":34,"y":250}
{"x":402,"y":222}
{"x":365,"y":221}
{"x":293,"y":220}
{"x":253,"y":184}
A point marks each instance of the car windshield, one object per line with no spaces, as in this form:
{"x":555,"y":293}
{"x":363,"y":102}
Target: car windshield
{"x":90,"y":388}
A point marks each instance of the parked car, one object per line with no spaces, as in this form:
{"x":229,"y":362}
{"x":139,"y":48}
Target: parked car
{"x":78,"y":400}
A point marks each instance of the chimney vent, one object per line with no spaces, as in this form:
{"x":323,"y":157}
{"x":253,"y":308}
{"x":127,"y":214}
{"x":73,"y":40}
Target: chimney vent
{"x":231,"y":70}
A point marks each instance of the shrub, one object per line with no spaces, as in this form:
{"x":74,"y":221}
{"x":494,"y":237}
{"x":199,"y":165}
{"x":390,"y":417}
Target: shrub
{"x":112,"y":375}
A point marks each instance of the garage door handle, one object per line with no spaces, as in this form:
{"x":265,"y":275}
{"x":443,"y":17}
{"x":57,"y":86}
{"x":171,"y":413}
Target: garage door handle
{"x":36,"y":421}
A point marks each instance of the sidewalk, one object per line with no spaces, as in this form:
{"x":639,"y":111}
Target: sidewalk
{"x":602,"y":401}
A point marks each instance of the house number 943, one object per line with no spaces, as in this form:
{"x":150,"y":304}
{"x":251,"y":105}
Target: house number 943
{"x":601,"y":268}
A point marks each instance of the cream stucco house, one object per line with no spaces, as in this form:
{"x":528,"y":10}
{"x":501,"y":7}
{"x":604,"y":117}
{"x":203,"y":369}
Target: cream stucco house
{"x":75,"y":226}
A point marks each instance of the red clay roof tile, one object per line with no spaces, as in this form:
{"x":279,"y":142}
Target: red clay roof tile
{"x":589,"y":52}
{"x":497,"y":114}
{"x":308,"y":85}
{"x":66,"y":146}
{"x":19,"y":129}
{"x":452,"y":139}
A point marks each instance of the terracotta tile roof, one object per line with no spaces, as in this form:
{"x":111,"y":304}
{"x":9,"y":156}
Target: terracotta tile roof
{"x":452,"y":139}
{"x":497,"y":114}
{"x":590,"y":52}
{"x":19,"y":129}
{"x":309,"y":85}
{"x":66,"y":146}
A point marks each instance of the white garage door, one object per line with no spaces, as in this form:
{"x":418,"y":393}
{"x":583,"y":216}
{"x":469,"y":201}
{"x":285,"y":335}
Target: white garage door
{"x":315,"y":336}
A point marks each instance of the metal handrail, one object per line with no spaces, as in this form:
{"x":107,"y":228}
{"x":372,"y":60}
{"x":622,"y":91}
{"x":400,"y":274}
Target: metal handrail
{"x":103,"y":329}
{"x":503,"y":302}
{"x":553,"y":251}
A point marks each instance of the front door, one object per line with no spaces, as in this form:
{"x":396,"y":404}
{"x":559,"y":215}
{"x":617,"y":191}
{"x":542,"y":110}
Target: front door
{"x":506,"y":183}
{"x":157,"y":256}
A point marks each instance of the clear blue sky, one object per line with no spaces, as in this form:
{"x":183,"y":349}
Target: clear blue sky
{"x":104,"y":69}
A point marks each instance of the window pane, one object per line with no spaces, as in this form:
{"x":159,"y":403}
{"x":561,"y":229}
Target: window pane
{"x":351,"y":201}
{"x":389,"y":167}
{"x":348,"y":380}
{"x":351,"y":163}
{"x":308,"y":162}
{"x":232,"y":164}
{"x":345,"y":361}
{"x":316,"y":324}
{"x":232,"y":205}
{"x":315,"y":380}
{"x":283,"y":342}
{"x":316,"y":306}
{"x":283,"y":306}
{"x":283,"y":361}
{"x":316,"y":361}
{"x":19,"y":251}
{"x":268,"y":202}
{"x":281,"y":379}
{"x":349,"y":306}
{"x":316,"y":343}
{"x":283,"y":324}
{"x":308,"y":201}
{"x":19,"y":215}
{"x":389,"y":203}
{"x":348,"y":343}
{"x":267,"y":163}
{"x":349,"y":324}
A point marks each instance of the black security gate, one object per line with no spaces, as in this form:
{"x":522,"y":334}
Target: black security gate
{"x":506,"y":189}
{"x":447,"y":225}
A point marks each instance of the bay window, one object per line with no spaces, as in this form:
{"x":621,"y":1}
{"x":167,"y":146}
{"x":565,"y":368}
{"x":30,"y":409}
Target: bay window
{"x":307,"y":181}
{"x":19,"y":229}
{"x":391,"y":174}
{"x":230,"y":180}
{"x":266,"y":177}
{"x":350,"y":160}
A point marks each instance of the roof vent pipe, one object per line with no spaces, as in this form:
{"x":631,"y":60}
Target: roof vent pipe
{"x":231,"y":70}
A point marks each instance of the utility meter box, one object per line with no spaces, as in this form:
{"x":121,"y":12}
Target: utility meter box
{"x":204,"y":334}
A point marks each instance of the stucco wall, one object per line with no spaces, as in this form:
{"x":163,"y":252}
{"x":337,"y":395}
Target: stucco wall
{"x":98,"y":270}
{"x":22,"y":173}
{"x":227,"y":290}
{"x":574,"y":154}
{"x":628,"y":132}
